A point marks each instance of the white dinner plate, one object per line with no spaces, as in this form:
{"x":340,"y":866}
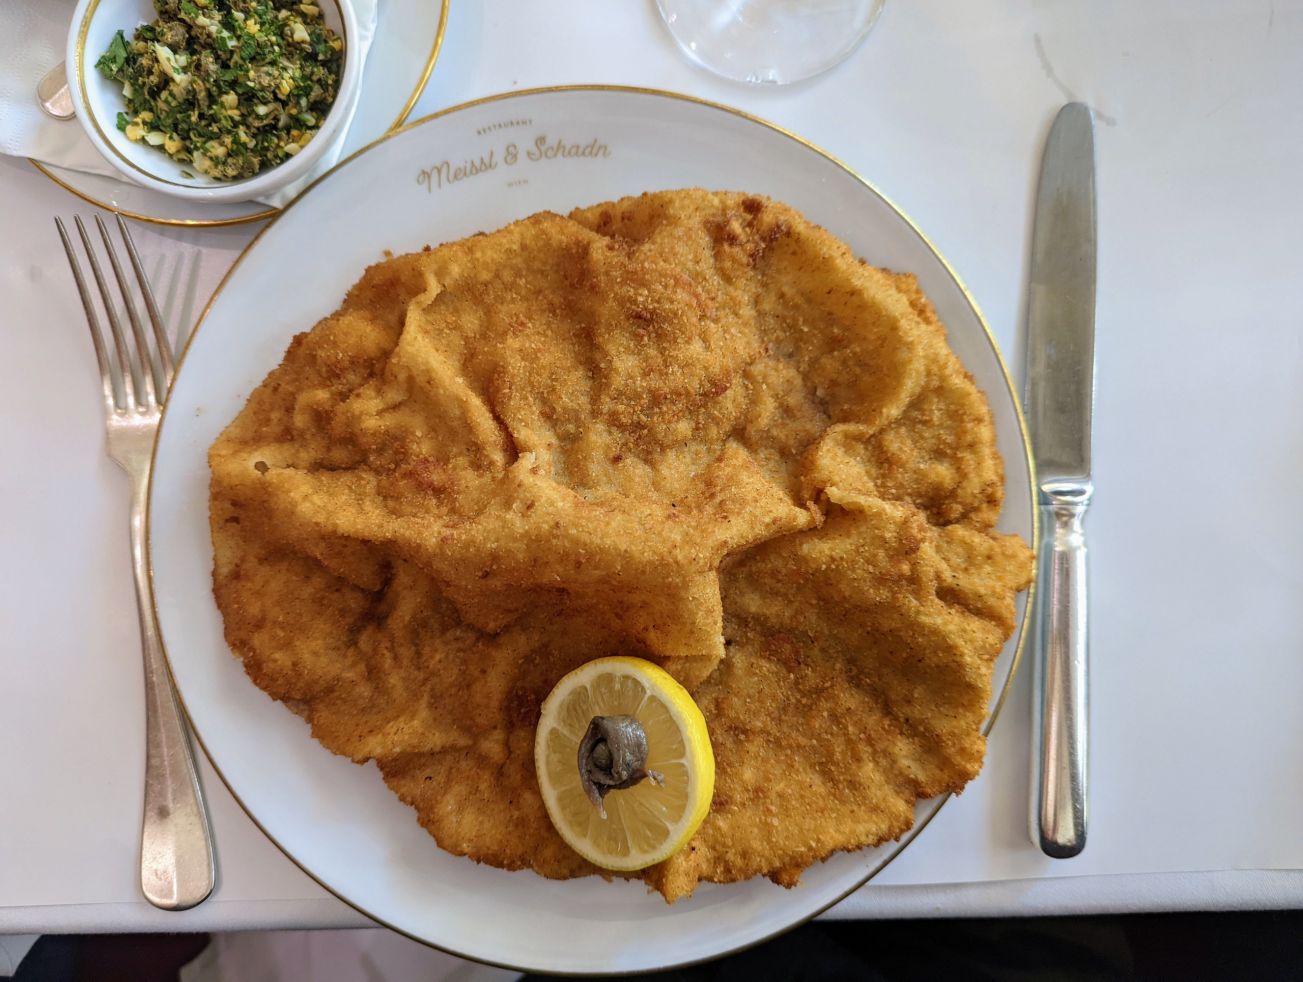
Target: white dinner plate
{"x":408,"y":36}
{"x":475,"y":168}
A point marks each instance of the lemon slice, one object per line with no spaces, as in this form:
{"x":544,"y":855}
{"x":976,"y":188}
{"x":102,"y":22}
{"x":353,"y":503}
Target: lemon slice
{"x":647,"y":822}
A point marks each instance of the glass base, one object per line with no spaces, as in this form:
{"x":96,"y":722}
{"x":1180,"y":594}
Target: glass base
{"x":769,"y":42}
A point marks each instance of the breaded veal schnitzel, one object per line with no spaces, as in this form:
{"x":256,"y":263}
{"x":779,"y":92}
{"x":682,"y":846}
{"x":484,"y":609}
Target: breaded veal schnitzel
{"x":689,"y":426}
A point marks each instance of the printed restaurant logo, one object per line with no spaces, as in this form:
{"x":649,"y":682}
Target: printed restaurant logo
{"x":448,"y":172}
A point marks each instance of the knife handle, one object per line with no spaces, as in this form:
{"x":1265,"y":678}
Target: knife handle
{"x":1061,"y":655}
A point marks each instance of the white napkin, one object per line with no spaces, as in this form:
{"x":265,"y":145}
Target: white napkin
{"x":33,"y":35}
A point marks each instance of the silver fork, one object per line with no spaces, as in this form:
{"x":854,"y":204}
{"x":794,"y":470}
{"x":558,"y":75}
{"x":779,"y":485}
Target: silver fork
{"x":176,"y":847}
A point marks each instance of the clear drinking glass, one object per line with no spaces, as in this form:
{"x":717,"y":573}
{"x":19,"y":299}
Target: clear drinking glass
{"x":769,"y":41}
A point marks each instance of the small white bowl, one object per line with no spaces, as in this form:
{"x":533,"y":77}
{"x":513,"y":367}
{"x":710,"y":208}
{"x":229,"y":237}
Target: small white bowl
{"x":98,"y":101}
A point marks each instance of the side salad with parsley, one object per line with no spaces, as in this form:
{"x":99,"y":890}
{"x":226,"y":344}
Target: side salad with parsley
{"x":231,"y":87}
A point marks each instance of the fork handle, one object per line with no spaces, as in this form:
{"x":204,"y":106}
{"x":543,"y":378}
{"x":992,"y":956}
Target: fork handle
{"x":1060,"y":660}
{"x":176,"y":844}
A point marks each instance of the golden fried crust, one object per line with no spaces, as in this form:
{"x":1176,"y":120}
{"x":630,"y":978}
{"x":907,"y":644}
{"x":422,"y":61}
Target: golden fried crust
{"x":689,"y":426}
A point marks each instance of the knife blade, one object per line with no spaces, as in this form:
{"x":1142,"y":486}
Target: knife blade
{"x":1060,"y":388}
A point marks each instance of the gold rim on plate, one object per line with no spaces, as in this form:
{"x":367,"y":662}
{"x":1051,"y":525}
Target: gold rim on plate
{"x":909,"y":836}
{"x":269,"y":212}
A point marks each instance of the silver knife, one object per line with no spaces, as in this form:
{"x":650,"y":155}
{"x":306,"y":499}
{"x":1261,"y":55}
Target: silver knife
{"x":1060,"y":397}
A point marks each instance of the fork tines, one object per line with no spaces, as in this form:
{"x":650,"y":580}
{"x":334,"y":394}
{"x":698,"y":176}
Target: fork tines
{"x":135,"y":376}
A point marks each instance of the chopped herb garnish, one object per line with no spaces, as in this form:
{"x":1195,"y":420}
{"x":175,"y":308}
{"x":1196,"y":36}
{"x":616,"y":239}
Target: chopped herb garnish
{"x":112,"y":60}
{"x":232,"y":86}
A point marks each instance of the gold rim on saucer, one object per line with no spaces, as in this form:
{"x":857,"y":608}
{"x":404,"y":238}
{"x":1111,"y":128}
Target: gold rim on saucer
{"x":269,"y":212}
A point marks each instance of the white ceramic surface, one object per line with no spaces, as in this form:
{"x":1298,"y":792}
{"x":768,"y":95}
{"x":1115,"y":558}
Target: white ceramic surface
{"x":98,"y":101}
{"x":407,"y":38}
{"x":407,"y":34}
{"x":336,"y":819}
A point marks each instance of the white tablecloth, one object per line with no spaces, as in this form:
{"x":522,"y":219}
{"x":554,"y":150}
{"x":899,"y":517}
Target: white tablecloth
{"x":1197,"y":793}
